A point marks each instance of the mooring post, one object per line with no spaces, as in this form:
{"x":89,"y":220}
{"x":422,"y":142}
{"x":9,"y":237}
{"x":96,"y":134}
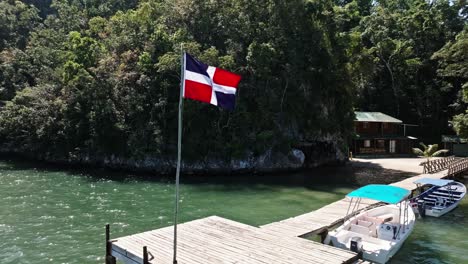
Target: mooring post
{"x":109,"y":258}
{"x":145,"y":255}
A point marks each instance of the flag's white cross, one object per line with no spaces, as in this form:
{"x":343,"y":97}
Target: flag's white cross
{"x":193,"y":76}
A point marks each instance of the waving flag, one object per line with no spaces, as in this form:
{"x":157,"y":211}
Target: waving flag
{"x":209,"y":84}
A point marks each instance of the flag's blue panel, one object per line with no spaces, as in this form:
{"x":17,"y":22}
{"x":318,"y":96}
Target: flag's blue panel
{"x":379,"y":192}
{"x":226,"y":101}
{"x":436,"y":182}
{"x":194,"y":65}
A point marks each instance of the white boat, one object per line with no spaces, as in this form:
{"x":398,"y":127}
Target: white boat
{"x":379,"y":232}
{"x":441,"y":197}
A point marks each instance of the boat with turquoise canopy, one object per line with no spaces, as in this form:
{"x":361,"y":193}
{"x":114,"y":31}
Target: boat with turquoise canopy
{"x":378,"y":232}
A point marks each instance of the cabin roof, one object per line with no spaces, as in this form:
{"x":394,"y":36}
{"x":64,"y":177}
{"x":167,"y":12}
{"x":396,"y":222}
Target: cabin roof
{"x":375,"y":117}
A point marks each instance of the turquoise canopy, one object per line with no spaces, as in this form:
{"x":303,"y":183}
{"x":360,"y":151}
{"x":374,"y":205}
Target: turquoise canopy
{"x":380,"y":192}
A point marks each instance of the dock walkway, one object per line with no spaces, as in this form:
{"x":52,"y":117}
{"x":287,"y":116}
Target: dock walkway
{"x":218,"y":240}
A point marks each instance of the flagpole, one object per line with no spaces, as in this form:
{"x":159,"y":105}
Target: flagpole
{"x":179,"y":150}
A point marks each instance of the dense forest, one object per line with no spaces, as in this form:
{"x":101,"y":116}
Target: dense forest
{"x":101,"y":77}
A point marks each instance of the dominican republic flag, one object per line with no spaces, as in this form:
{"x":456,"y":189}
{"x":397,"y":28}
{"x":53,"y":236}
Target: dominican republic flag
{"x":209,"y":84}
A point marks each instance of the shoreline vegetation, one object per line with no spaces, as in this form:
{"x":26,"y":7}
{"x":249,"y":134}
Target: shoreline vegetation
{"x":267,"y":163}
{"x":98,"y":81}
{"x":349,"y":173}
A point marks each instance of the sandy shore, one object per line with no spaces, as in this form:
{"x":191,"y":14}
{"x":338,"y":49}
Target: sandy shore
{"x":385,"y":170}
{"x":398,"y":164}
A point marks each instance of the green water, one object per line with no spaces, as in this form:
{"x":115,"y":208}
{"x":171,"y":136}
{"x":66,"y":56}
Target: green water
{"x":58,"y":216}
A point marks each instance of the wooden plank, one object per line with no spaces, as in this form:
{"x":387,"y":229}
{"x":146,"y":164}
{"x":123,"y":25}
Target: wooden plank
{"x":282,"y":246}
{"x":297,"y":243}
{"x":253,"y":240}
{"x":218,"y":240}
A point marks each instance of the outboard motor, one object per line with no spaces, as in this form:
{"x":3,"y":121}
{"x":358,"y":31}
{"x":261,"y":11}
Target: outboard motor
{"x":356,"y":244}
{"x":422,"y":208}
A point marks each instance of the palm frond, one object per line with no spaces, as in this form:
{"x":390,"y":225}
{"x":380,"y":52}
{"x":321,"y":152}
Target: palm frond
{"x":439,"y":152}
{"x":418,"y":152}
{"x":423,"y":145}
{"x":432,"y":149}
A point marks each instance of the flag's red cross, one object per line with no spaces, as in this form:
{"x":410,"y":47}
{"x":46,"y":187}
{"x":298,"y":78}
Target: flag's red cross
{"x":209,"y":84}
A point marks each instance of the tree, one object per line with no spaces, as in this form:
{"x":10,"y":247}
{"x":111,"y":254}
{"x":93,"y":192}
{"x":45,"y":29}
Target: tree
{"x":401,"y":37}
{"x":453,"y":68}
{"x":17,"y":20}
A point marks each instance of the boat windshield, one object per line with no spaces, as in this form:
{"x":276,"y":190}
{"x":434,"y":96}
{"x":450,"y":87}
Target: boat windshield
{"x":380,"y":192}
{"x":435,"y":182}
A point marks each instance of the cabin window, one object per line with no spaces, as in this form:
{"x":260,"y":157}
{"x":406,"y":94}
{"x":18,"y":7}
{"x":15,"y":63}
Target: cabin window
{"x":385,"y":125}
{"x":367,"y":143}
{"x":392,"y":146}
{"x":381,"y":143}
{"x":365,"y":125}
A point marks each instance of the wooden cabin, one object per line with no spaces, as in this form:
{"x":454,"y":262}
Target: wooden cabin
{"x":379,"y":134}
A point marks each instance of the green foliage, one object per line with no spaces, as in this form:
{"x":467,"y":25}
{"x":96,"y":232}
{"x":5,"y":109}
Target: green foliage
{"x":33,"y":120}
{"x":17,"y":19}
{"x":460,"y":123}
{"x":400,"y":38}
{"x":429,"y":151}
{"x":102,"y":77}
{"x":453,"y":68}
{"x":82,"y":50}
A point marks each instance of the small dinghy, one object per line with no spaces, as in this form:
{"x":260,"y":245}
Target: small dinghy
{"x":441,"y":197}
{"x":378,"y":232}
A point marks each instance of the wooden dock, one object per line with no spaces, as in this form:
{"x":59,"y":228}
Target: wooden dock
{"x":218,"y":240}
{"x":316,"y":221}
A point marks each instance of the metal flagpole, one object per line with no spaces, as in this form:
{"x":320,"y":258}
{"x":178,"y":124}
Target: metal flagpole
{"x":179,"y":150}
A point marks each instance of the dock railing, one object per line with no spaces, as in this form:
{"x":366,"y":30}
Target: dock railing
{"x":459,"y":167}
{"x":436,"y":165}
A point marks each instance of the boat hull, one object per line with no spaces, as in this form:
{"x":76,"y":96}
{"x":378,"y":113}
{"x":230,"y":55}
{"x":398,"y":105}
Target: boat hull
{"x":382,"y":232}
{"x":438,"y":201}
{"x":434,"y":212}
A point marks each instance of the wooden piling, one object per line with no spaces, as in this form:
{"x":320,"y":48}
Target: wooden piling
{"x":145,"y":255}
{"x":109,"y":258}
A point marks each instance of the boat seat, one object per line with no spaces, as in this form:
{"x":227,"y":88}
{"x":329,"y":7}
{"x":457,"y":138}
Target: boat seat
{"x":360,"y":229}
{"x":385,"y":217}
{"x":449,"y":192}
{"x":437,"y":197}
{"x":364,"y":223}
{"x":446,"y":195}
